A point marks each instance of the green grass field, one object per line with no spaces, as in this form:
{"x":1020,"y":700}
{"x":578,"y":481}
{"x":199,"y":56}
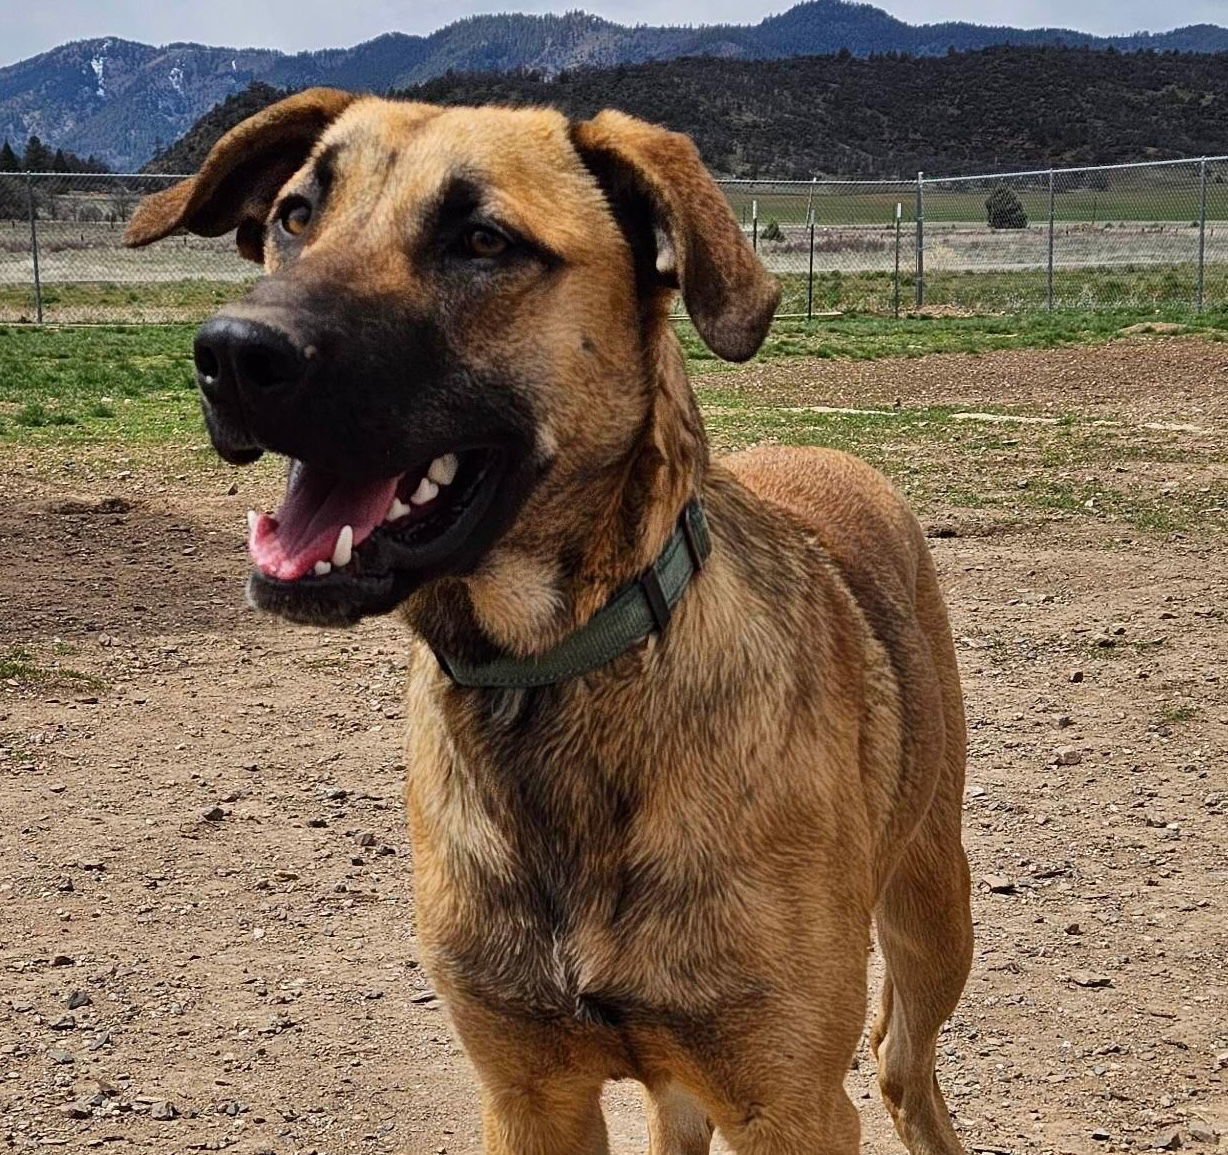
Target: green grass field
{"x":1129,"y":198}
{"x":135,"y":384}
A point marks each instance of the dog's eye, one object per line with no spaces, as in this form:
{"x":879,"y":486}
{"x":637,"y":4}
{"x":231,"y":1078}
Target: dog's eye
{"x":294,"y":216}
{"x":483,"y":242}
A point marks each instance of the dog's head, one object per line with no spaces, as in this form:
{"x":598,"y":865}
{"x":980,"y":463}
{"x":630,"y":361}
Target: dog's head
{"x":461,"y":337}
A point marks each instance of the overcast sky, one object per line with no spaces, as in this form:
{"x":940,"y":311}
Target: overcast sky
{"x":27,"y":28}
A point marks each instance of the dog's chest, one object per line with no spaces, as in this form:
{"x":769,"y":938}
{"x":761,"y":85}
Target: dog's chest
{"x":554,"y":896}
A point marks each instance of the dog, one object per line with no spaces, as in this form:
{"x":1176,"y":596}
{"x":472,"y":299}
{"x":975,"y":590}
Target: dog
{"x":681,"y":729}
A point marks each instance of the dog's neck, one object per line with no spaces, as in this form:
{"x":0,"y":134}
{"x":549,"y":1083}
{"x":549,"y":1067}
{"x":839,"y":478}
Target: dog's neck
{"x":524,"y":599}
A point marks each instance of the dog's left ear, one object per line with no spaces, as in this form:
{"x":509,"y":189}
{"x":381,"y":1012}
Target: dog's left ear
{"x":681,"y":228}
{"x":241,"y":176}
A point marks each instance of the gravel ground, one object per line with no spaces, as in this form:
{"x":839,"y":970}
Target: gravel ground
{"x":207,"y":931}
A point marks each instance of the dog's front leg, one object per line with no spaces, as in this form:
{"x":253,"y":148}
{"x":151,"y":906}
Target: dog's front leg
{"x":522,"y":1116}
{"x":677,"y":1123}
{"x":541,"y":1086}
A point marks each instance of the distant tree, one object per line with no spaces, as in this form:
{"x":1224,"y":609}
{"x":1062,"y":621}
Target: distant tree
{"x":772,"y":231}
{"x":38,"y":157}
{"x":8,"y":159}
{"x":1005,"y":210}
{"x":13,"y":203}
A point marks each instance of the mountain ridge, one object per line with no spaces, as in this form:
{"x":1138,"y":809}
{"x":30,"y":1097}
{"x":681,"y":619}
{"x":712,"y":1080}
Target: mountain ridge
{"x":122,"y":100}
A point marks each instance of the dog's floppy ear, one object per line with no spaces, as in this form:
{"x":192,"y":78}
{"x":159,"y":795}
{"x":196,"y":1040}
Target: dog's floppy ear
{"x":680,"y":220}
{"x":239,"y":180}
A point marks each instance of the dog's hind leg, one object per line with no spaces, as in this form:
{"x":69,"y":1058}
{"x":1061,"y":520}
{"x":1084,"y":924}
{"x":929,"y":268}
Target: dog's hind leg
{"x":677,"y":1124}
{"x":925,"y":932}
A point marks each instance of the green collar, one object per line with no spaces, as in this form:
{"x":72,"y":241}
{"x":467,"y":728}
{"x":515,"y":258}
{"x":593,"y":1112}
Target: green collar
{"x":635,"y":611}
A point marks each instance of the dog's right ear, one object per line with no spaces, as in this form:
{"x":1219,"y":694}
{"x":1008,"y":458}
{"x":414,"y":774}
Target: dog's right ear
{"x":241,"y":176}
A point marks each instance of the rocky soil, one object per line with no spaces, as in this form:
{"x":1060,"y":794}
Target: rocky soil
{"x":207,"y":932}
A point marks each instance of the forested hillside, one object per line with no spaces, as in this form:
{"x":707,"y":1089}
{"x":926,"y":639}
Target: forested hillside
{"x":884,"y":116}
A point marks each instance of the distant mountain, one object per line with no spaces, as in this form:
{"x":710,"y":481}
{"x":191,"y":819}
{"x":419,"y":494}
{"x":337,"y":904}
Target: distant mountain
{"x":121,"y":100}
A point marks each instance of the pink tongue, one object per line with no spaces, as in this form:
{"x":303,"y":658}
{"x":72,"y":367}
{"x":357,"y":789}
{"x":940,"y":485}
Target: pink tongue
{"x":315,"y":509}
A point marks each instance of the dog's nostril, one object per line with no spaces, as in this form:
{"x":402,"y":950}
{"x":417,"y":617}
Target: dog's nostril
{"x":207,"y":364}
{"x":264,"y":367}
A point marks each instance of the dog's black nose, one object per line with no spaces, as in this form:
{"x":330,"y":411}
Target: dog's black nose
{"x":233,"y":354}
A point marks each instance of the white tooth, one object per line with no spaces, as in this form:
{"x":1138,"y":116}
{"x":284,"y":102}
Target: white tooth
{"x":252,"y":519}
{"x":427,"y":491}
{"x":397,"y":509}
{"x":323,"y":567}
{"x":443,"y":469}
{"x":344,"y":549}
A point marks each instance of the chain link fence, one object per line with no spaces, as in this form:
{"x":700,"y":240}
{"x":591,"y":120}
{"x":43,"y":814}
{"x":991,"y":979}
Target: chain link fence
{"x":1145,"y":236}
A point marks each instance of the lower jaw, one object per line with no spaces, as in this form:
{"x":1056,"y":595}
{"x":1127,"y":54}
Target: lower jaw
{"x":336,"y":604}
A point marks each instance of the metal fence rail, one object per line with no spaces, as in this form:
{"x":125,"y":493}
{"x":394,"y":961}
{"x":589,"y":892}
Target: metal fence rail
{"x":1142,"y":235}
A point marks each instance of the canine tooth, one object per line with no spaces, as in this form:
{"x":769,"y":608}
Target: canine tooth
{"x":427,"y":491}
{"x":344,"y":549}
{"x":323,"y":567}
{"x":443,"y":469}
{"x":396,"y":510}
{"x":252,"y":519}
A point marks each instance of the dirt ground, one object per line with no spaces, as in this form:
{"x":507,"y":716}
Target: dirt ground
{"x":207,"y":932}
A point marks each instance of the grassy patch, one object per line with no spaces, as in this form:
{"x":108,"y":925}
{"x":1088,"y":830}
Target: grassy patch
{"x":131,"y":384}
{"x":1172,"y":713}
{"x":867,"y":338}
{"x":18,"y":667}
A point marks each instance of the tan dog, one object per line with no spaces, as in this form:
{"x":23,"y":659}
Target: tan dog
{"x":664,"y":867}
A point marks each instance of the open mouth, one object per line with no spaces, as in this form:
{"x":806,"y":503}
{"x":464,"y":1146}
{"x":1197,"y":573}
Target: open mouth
{"x":337,"y":549}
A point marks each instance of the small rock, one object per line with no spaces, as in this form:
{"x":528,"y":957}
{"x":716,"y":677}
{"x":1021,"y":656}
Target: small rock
{"x":77,"y":1110}
{"x":213,"y":814}
{"x":1064,"y":720}
{"x":163,"y":1111}
{"x":65,"y":1023}
{"x":78,"y":999}
{"x":1067,"y":756}
{"x":1090,"y":979}
{"x":1100,"y":1134}
{"x":366,"y":838}
{"x":1076,"y":675}
{"x":317,"y":823}
{"x":61,"y":1058}
{"x":1074,"y":928}
{"x":1167,"y":1140}
{"x":233,"y":490}
{"x":998,"y":884}
{"x":1202,"y":1133}
{"x":63,"y":960}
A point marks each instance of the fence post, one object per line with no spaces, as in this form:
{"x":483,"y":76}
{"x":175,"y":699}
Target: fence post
{"x":1049,"y":282}
{"x":810,"y":274}
{"x":1202,"y":232}
{"x":38,"y":282}
{"x":899,"y":216}
{"x":754,"y":225}
{"x":920,"y":240}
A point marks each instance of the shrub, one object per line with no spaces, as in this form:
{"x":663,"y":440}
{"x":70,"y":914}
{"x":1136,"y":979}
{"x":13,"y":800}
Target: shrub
{"x":1004,"y":209}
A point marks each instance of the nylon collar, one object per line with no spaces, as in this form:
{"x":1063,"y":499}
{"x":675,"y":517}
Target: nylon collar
{"x":641,"y":607}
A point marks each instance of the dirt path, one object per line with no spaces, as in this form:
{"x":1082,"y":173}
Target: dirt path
{"x":206,"y":921}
